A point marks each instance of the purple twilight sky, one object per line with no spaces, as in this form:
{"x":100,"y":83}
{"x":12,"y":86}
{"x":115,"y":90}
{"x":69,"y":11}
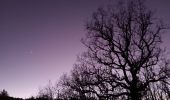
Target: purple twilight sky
{"x":40,"y":39}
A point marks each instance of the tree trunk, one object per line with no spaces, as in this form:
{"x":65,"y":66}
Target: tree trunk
{"x":135,"y":93}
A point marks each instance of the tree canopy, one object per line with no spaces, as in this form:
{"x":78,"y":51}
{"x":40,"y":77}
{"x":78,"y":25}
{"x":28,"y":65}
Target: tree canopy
{"x":124,"y":59}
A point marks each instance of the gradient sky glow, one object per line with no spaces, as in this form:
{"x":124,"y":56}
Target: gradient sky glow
{"x":40,"y":39}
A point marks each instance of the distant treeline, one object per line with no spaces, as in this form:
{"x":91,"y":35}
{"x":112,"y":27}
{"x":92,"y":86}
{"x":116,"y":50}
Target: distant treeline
{"x":5,"y":96}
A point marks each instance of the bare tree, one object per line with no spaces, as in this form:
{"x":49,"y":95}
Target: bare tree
{"x":68,"y":89}
{"x":76,"y":85}
{"x":126,"y":40}
{"x":48,"y":92}
{"x":88,"y":81}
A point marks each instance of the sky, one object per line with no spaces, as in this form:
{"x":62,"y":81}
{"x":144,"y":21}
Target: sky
{"x":40,"y":39}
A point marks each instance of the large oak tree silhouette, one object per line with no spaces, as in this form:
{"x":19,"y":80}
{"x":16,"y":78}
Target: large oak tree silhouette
{"x":124,"y":59}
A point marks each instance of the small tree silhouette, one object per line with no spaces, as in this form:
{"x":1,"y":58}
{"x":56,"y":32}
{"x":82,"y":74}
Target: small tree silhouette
{"x":48,"y":92}
{"x":4,"y":93}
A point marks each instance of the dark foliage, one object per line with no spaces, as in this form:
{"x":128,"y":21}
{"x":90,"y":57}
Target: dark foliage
{"x":4,"y":96}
